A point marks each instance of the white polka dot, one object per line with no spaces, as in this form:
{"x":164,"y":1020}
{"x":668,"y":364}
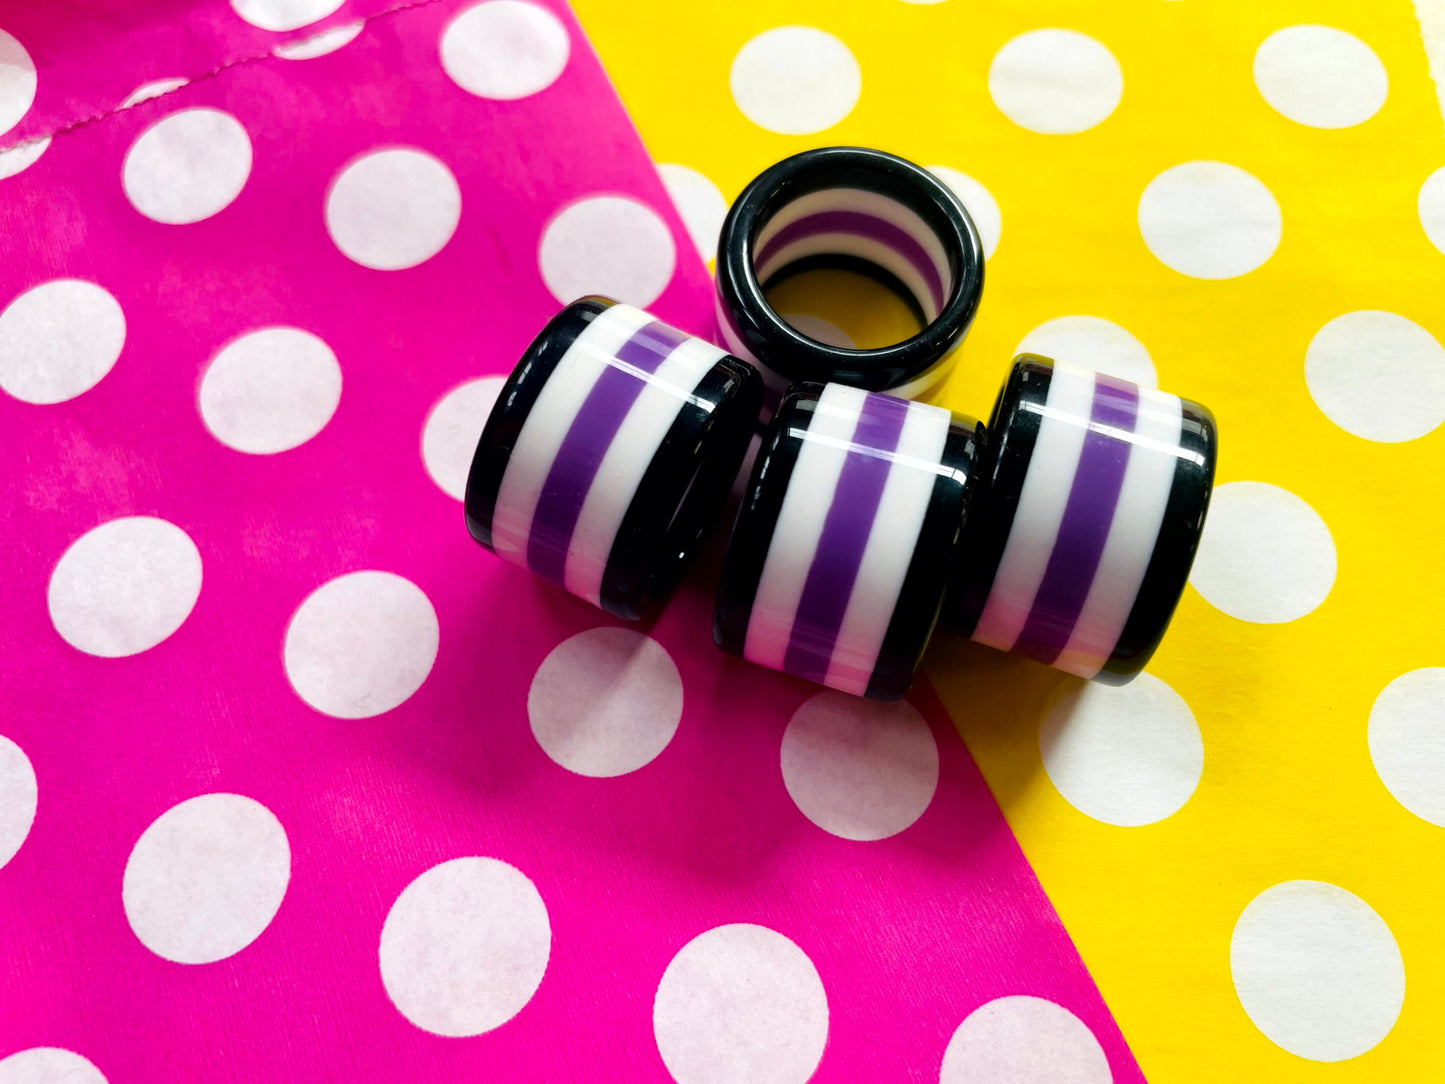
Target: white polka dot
{"x":979,"y":203}
{"x":740,"y":1002}
{"x":154,"y":89}
{"x":1209,"y":220}
{"x":608,"y":245}
{"x":17,"y":82}
{"x":465,"y":946}
{"x":449,"y":439}
{"x":605,"y":702}
{"x":59,"y":339}
{"x":123,"y":587}
{"x":1126,"y":755}
{"x":18,"y":796}
{"x":1023,"y":1040}
{"x":1094,"y":343}
{"x":1055,"y":81}
{"x":1407,"y":742}
{"x":1320,"y":76}
{"x":188,"y":166}
{"x":795,"y":80}
{"x":284,"y":14}
{"x":361,"y":644}
{"x":505,"y":49}
{"x":21,"y":157}
{"x":1317,"y":970}
{"x":393,"y":209}
{"x":206,"y":878}
{"x":49,"y":1065}
{"x":1377,"y":375}
{"x":815,"y":327}
{"x":1431,"y":206}
{"x":1266,"y":556}
{"x":858,"y":768}
{"x":270,"y":390}
{"x":328,"y":41}
{"x":700,"y":204}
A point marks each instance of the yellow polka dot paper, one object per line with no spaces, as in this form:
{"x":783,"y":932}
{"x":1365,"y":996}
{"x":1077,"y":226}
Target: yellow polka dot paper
{"x":1245,"y":204}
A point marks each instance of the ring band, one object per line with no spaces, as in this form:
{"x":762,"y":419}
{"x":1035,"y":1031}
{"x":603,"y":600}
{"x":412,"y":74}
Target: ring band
{"x":609,"y":454}
{"x":840,"y":557}
{"x":854,"y":209}
{"x":1091,"y":500}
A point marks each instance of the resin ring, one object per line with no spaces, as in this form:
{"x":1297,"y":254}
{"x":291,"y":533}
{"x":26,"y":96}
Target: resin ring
{"x":1091,"y":499}
{"x":860,"y":210}
{"x":840,"y":557}
{"x":609,"y":454}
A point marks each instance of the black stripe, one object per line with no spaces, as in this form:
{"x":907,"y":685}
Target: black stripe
{"x":758,"y":517}
{"x":833,"y":261}
{"x":1174,"y":549}
{"x":682,"y":491}
{"x":916,"y":611}
{"x":1005,"y":451}
{"x":514,"y":404}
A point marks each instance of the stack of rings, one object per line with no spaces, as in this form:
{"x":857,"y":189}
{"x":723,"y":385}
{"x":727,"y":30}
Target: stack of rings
{"x":609,"y":453}
{"x":1064,"y":530}
{"x":859,"y":210}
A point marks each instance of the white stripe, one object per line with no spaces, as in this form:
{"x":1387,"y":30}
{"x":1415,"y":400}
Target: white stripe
{"x":913,"y":469}
{"x":626,"y":460}
{"x":1143,"y":497}
{"x":865,"y":248}
{"x":576,"y":373}
{"x":805,"y":506}
{"x":1063,"y":423}
{"x":930,"y":379}
{"x":863,"y":202}
{"x":1431,"y":16}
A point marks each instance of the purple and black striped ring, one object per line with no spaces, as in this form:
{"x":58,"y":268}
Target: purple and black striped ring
{"x":860,"y":210}
{"x":609,"y":454}
{"x":841,"y":553}
{"x":1091,"y":498}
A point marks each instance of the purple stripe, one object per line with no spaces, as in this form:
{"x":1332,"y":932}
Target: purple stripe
{"x":850,"y":518}
{"x":587,"y":440}
{"x":861,"y":225}
{"x":1084,"y":529}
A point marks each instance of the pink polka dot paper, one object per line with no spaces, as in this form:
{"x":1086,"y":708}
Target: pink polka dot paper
{"x":296,"y":782}
{"x":75,"y":62}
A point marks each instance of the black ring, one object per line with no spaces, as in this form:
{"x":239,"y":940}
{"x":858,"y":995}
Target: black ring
{"x":673,"y":415}
{"x":840,"y":557}
{"x":949,"y":294}
{"x":1107,"y":484}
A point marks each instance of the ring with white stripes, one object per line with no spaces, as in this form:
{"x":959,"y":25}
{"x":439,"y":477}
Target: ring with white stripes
{"x":609,"y":454}
{"x":859,"y":210}
{"x":840,"y":557}
{"x":1091,"y":499}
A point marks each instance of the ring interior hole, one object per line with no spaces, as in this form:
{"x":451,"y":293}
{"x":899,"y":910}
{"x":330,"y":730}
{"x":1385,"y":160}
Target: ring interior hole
{"x":851,"y":267}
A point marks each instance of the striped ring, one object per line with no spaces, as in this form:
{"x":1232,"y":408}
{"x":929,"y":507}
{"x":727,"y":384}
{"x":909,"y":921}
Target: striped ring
{"x":609,"y":454}
{"x":859,"y":210}
{"x":1091,"y":501}
{"x":839,"y":560}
